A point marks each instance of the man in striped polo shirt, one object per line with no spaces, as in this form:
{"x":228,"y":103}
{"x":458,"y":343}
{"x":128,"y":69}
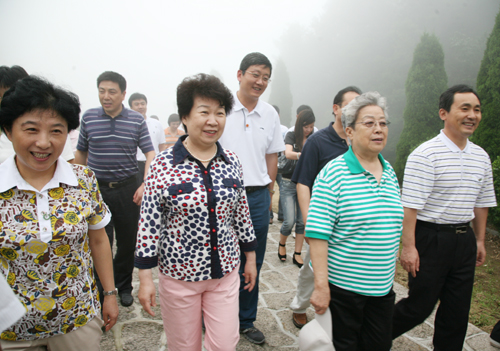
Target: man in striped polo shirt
{"x":109,"y":137}
{"x":448,"y":183}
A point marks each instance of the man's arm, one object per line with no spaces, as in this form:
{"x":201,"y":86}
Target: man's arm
{"x":410,"y":260}
{"x":272,"y":170}
{"x":81,"y":157}
{"x":479,"y":226}
{"x":304,"y":197}
{"x":140,"y":190}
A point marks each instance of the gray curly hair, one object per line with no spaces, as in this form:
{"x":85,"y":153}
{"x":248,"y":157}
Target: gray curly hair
{"x":350,"y":112}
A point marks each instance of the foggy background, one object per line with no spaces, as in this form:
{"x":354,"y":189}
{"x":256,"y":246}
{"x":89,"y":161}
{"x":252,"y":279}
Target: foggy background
{"x":317,"y":47}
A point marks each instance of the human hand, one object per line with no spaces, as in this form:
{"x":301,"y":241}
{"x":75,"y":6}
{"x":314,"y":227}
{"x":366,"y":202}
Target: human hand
{"x":138,"y":195}
{"x":109,"y":311}
{"x":320,"y":299}
{"x":250,"y":275}
{"x":481,"y":254}
{"x":410,"y":260}
{"x":147,"y":296}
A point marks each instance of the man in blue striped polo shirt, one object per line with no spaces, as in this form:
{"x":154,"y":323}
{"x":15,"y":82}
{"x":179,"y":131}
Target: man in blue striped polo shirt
{"x":109,"y":137}
{"x":448,"y":184}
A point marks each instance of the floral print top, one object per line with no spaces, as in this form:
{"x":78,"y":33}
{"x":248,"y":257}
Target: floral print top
{"x":44,"y":248}
{"x":194,"y":220}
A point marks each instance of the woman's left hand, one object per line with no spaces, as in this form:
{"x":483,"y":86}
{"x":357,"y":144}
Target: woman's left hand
{"x":250,"y":271}
{"x":109,"y":311}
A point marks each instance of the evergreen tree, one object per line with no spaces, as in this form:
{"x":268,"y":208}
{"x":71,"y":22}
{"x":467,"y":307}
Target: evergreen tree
{"x":488,"y":88}
{"x":281,"y":94}
{"x":426,"y":81}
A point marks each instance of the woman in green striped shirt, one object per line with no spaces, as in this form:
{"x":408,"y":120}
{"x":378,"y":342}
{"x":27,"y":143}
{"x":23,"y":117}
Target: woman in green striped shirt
{"x":354,"y":227}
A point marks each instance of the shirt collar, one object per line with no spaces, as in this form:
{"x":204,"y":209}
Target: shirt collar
{"x":452,"y":146}
{"x":180,"y":153}
{"x":353,"y":164}
{"x":12,"y":178}
{"x":259,"y":108}
{"x":123,"y":113}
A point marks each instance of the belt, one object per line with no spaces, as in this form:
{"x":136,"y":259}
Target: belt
{"x":114,"y":185}
{"x":251,"y":189}
{"x":460,"y":228}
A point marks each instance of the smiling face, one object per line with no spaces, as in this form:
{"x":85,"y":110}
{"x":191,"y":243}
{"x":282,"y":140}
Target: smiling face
{"x":367,"y":140}
{"x":111,"y":97}
{"x":38,"y":138}
{"x":463,"y":118}
{"x":254,"y":82}
{"x":205,"y":123}
{"x":140,"y":106}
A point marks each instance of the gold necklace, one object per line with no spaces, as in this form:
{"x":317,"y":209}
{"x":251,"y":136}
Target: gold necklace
{"x":199,"y":159}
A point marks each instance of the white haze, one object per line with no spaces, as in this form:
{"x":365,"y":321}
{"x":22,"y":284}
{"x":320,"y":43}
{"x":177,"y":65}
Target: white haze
{"x":153,"y":44}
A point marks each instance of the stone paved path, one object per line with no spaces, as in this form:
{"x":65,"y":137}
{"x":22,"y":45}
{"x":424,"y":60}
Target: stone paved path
{"x":136,"y":330}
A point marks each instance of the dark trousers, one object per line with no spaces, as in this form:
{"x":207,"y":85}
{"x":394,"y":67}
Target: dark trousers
{"x":447,"y":264}
{"x":258,"y":202}
{"x":361,"y":322}
{"x":124,"y":222}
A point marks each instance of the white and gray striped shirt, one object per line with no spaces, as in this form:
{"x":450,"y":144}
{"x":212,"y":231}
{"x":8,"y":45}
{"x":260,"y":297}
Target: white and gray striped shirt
{"x":445,"y":183}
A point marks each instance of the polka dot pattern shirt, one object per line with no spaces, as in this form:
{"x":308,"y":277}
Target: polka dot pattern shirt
{"x":194,"y":220}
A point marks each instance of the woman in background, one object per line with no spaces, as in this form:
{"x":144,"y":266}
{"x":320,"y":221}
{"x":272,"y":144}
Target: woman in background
{"x":294,"y":142}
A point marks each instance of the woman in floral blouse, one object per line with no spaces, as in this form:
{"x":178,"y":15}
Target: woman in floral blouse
{"x":194,"y":222}
{"x":52,"y":222}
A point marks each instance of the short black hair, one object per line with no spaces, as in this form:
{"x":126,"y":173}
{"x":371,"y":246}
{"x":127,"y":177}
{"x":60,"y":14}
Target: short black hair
{"x":302,"y":108}
{"x":113,"y":77}
{"x":337,"y":100}
{"x":204,"y":86}
{"x":34,"y":93}
{"x":10,"y":75}
{"x":255,"y":58}
{"x":136,"y":96}
{"x":174,"y":117}
{"x":277,"y":109}
{"x":448,"y":97}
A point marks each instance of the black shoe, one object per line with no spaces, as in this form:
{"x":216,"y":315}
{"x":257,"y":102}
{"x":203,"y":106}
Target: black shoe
{"x":280,"y":256}
{"x":253,"y":335}
{"x":295,"y":261}
{"x":126,"y":299}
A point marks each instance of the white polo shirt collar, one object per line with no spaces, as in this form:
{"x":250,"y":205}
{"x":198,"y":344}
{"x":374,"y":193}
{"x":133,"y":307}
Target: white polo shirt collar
{"x":12,"y":178}
{"x":452,"y":146}
{"x":259,"y":108}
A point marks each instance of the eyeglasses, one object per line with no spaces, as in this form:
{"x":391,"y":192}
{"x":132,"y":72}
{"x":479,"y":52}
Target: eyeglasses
{"x":257,"y":76}
{"x":371,"y":124}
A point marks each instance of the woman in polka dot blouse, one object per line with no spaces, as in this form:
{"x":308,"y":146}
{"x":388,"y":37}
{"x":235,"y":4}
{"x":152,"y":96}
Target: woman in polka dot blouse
{"x":194,"y":223}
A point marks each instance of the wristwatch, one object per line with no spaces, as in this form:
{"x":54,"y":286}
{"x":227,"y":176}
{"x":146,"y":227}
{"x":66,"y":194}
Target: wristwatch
{"x":112,"y":292}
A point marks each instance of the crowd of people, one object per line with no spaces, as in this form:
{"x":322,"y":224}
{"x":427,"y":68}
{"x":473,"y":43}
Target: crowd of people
{"x":194,"y":200}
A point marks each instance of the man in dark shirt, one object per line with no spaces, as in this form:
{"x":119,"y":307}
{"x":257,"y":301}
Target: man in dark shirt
{"x":109,"y":137}
{"x":320,"y":148}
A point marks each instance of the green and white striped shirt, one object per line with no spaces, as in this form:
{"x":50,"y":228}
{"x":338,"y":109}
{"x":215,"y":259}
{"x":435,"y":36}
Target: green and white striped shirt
{"x":362,"y":221}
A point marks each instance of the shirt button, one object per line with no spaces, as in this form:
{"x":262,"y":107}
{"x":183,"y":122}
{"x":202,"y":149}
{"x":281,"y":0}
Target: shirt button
{"x":234,"y":185}
{"x":209,"y":190}
{"x":206,"y":172}
{"x":213,"y":230}
{"x":212,"y":210}
{"x":248,"y":125}
{"x":215,"y":248}
{"x":180,"y":191}
{"x":44,"y":229}
{"x":40,"y":196}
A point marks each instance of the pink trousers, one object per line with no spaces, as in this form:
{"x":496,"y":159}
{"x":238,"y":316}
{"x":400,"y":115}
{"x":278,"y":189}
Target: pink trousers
{"x":182,"y":304}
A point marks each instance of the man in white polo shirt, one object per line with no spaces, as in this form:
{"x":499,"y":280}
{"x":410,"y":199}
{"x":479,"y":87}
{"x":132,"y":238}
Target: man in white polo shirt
{"x":448,"y":183}
{"x":253,"y":132}
{"x":139,"y":103}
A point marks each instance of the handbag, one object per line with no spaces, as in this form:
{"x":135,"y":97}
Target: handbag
{"x":285,"y":165}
